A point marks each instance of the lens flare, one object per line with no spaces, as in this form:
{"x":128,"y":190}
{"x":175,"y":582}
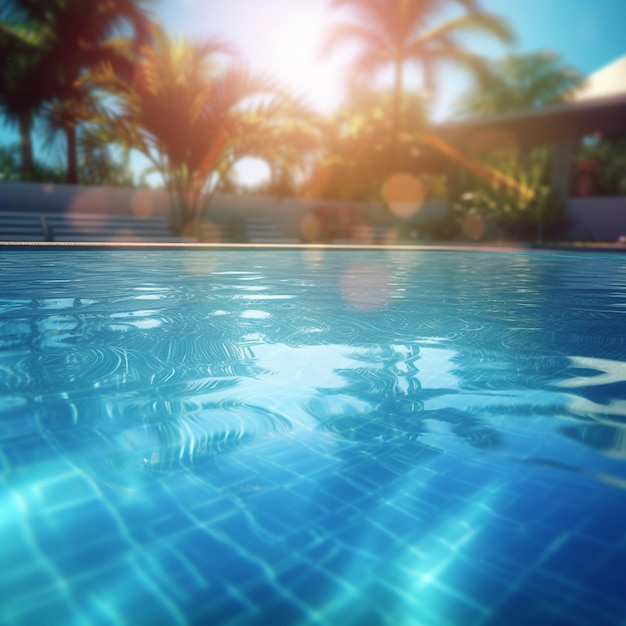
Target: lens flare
{"x":310,"y":229}
{"x":474,"y":166}
{"x":363,"y":234}
{"x":493,"y":141}
{"x":474,"y":226}
{"x":316,"y":184}
{"x":142,"y":204}
{"x":203,"y":231}
{"x":389,"y":237}
{"x":403,"y":194}
{"x":95,"y":204}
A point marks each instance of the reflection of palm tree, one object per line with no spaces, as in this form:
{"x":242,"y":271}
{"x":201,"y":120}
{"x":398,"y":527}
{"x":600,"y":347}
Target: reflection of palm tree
{"x":393,"y":32}
{"x":191,"y":120}
{"x":379,"y":431}
{"x":608,"y":438}
{"x":517,"y":83}
{"x":152,"y":416}
{"x":74,"y":37}
{"x":396,"y":399}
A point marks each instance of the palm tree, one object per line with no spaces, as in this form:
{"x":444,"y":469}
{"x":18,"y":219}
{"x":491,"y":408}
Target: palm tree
{"x":78,"y":36}
{"x":395,"y":32}
{"x":194,"y":120}
{"x":516,"y":83}
{"x":22,"y":82}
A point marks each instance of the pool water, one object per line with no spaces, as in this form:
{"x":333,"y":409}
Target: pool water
{"x":328,"y":437}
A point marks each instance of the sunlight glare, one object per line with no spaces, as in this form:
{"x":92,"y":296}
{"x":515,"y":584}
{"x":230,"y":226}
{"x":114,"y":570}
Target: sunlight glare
{"x":251,"y":171}
{"x":292,"y":37}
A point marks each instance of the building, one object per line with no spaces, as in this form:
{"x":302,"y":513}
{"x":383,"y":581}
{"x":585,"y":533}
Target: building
{"x":595,"y":113}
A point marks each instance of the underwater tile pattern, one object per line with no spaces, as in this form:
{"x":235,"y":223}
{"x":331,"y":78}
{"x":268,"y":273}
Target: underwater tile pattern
{"x":315,"y":437}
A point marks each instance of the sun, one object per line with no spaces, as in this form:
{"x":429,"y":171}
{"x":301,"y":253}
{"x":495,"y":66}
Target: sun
{"x":278,"y":38}
{"x":293,"y":49}
{"x":286,"y":45}
{"x":251,"y":171}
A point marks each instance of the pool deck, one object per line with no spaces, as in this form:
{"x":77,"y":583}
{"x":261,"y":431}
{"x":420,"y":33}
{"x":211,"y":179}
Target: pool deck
{"x":441,"y":245}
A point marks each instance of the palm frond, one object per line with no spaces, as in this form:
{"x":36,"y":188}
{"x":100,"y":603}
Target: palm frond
{"x":475,"y":22}
{"x":519,"y":82}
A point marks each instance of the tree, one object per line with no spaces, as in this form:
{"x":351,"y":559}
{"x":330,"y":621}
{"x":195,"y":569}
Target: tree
{"x":517,"y":83}
{"x":12,"y":170}
{"x":23,"y":82}
{"x":526,"y":204}
{"x":520,"y":82}
{"x":357,"y":142}
{"x":194,"y":120}
{"x":395,"y":32}
{"x":73,"y":37}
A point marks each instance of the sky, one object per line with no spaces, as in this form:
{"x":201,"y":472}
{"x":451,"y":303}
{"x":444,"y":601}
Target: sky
{"x":282,"y":38}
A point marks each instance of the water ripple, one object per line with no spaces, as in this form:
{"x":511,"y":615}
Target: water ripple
{"x":192,"y":438}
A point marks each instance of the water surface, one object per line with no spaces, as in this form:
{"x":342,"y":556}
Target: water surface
{"x":312,"y":437}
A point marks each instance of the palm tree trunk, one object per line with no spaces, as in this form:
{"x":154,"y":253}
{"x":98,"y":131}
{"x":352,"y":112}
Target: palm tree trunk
{"x":72,"y":166}
{"x":26,"y":145}
{"x":395,"y":113}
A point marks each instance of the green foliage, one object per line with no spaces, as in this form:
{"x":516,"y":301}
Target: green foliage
{"x":11,"y":169}
{"x":46,"y":47}
{"x":194,"y":118}
{"x":609,"y":158}
{"x":23,"y":82}
{"x":390,"y":33}
{"x":358,"y":146}
{"x":97,"y":167}
{"x":517,"y":83}
{"x":520,"y":82}
{"x":526,"y":199}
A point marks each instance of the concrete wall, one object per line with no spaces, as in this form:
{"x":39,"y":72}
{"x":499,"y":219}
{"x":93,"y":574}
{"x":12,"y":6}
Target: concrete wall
{"x":597,"y":219}
{"x":49,"y":198}
{"x":593,"y":219}
{"x":288,"y":212}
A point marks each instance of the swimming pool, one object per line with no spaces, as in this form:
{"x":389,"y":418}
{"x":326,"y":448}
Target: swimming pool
{"x":311,"y":436}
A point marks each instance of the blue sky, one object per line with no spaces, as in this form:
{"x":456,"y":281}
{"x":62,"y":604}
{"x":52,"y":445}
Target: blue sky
{"x":281,"y":37}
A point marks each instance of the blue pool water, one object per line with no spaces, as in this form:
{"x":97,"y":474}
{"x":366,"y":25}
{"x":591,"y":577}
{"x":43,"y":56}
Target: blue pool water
{"x":312,"y":437}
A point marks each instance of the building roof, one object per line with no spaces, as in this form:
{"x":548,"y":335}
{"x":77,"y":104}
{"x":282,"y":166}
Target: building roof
{"x":607,"y":82}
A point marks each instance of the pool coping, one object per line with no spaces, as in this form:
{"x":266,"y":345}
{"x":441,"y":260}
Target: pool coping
{"x":438,"y":246}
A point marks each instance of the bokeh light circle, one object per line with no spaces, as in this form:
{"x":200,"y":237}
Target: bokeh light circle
{"x":403,"y":193}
